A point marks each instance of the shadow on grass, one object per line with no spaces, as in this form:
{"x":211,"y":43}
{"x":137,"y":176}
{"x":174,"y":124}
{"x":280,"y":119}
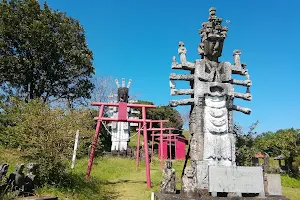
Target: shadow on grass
{"x":76,"y":186}
{"x":124,"y":181}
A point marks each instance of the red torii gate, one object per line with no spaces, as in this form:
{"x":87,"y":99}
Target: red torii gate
{"x":122,"y":117}
{"x":161,"y":129}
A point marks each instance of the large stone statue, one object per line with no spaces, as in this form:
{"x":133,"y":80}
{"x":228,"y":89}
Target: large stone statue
{"x":120,"y":131}
{"x":212,"y":97}
{"x":168,"y":184}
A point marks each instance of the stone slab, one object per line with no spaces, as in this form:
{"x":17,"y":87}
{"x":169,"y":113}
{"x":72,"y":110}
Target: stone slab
{"x":236,"y":179}
{"x":161,"y":196}
{"x":274,"y":184}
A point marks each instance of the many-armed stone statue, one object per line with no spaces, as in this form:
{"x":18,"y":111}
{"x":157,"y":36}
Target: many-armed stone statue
{"x":212,"y":101}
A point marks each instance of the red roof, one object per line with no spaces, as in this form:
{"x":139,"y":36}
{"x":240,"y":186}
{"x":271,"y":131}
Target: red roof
{"x":259,"y":155}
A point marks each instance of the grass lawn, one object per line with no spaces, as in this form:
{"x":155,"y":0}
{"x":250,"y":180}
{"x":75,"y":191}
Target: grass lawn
{"x":113,"y":178}
{"x":117,"y":178}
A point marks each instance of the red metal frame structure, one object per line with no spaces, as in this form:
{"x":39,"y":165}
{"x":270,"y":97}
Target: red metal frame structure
{"x":161,"y":129}
{"x":122,"y":117}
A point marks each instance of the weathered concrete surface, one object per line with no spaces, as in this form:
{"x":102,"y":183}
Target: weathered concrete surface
{"x":236,"y":179}
{"x":274,"y":184}
{"x":160,"y":196}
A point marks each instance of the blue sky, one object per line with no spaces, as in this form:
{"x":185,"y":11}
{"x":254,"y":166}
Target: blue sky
{"x":137,"y":38}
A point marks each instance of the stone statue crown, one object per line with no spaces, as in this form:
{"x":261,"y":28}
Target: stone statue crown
{"x":213,"y":28}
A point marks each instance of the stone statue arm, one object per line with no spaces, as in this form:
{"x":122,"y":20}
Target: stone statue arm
{"x":186,"y":65}
{"x":241,"y":109}
{"x":175,"y":103}
{"x":246,"y":96}
{"x":182,"y":92}
{"x":182,"y":77}
{"x":247,"y":83}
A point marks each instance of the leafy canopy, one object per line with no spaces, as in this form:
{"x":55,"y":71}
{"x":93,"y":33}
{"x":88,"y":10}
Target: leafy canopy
{"x":43,"y":53}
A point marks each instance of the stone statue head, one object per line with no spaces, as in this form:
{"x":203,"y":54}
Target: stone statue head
{"x":189,"y":172}
{"x":123,"y":94}
{"x":213,"y":35}
{"x":31,"y":168}
{"x":20,"y":168}
{"x":3,"y":170}
{"x":169,"y":164}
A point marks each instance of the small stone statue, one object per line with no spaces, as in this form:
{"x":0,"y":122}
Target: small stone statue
{"x":3,"y":170}
{"x":266,"y":165}
{"x":3,"y":181}
{"x":16,"y":179}
{"x":168,"y":184}
{"x":188,"y":183}
{"x":31,"y":178}
{"x":182,"y":52}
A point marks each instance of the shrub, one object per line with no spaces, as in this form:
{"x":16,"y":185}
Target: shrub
{"x":45,"y":135}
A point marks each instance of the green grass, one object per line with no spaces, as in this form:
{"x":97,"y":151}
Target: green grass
{"x":117,"y":178}
{"x":290,"y":182}
{"x":12,"y":157}
{"x":112,"y":178}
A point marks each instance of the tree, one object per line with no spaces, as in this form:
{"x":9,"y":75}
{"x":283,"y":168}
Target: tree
{"x":245,"y":144}
{"x":43,"y":53}
{"x":284,"y":142}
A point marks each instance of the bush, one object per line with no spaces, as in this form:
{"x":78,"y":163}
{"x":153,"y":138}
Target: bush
{"x":45,"y":135}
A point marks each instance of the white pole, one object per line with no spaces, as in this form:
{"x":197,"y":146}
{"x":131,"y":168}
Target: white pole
{"x":152,"y":195}
{"x":75,"y":149}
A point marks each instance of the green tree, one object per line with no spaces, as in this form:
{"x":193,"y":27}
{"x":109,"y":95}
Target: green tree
{"x":43,"y":53}
{"x":284,"y":142}
{"x":245,"y":144}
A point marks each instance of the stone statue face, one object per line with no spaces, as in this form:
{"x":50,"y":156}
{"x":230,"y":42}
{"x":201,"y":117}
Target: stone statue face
{"x":213,"y":48}
{"x":123,"y":94}
{"x":31,"y":167}
{"x":169,"y":164}
{"x":189,"y":172}
{"x":20,"y":168}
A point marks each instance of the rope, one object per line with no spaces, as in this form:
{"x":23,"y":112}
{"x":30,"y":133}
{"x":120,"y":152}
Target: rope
{"x":117,"y":137}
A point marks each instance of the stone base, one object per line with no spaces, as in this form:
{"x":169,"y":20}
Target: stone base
{"x":161,"y":196}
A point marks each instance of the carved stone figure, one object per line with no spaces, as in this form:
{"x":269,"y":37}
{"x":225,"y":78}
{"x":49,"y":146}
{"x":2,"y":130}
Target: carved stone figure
{"x":3,"y":170}
{"x":266,"y":165}
{"x":16,"y":180}
{"x":31,"y":178}
{"x":168,"y":184}
{"x":212,"y":101}
{"x":188,"y":182}
{"x":182,"y":52}
{"x":3,"y":179}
